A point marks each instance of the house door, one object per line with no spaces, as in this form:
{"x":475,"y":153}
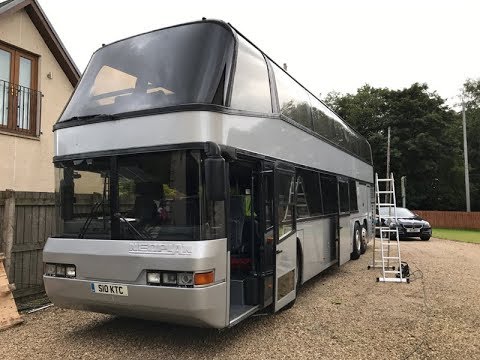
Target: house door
{"x":18,"y":95}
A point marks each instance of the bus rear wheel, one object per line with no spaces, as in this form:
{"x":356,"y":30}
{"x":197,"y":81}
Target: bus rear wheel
{"x":357,"y":242}
{"x":363,"y":246}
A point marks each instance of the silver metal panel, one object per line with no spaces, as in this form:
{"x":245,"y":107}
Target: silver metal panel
{"x":204,"y":307}
{"x":286,"y":261}
{"x":270,"y":137}
{"x":346,"y":239}
{"x":126,"y":262}
{"x":315,"y":245}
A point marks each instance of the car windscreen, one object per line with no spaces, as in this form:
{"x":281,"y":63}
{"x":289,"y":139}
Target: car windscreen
{"x":173,"y":66}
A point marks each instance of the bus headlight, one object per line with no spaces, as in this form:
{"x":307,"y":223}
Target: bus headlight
{"x":50,"y":269}
{"x":70,"y":271}
{"x":180,"y":279}
{"x":60,"y":270}
{"x":169,"y":278}
{"x":185,"y":279}
{"x":153,"y":278}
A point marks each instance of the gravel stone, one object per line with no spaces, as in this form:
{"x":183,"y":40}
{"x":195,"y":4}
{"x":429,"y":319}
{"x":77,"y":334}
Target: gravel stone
{"x":341,"y":314}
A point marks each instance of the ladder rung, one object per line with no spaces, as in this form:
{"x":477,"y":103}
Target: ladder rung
{"x":391,"y":257}
{"x":385,"y":205}
{"x":384,"y":180}
{"x":395,"y":279}
{"x":391,"y":272}
{"x":385,"y":191}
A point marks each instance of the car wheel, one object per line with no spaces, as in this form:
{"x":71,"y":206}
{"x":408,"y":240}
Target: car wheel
{"x":425,"y":238}
{"x":357,"y":242}
{"x":363,"y":246}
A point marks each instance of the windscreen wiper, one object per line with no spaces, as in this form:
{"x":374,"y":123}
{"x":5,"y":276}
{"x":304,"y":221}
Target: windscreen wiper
{"x":120,"y":216}
{"x":89,"y":219}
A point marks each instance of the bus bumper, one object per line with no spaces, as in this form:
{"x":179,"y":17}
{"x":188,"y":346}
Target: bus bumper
{"x":203,"y":307}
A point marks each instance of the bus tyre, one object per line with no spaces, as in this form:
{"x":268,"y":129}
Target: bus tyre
{"x":363,"y":246}
{"x":357,"y":242}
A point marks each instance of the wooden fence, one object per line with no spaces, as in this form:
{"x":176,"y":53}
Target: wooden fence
{"x":33,"y":222}
{"x":451,"y":219}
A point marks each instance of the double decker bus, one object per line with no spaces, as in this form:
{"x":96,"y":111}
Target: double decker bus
{"x":199,"y":183}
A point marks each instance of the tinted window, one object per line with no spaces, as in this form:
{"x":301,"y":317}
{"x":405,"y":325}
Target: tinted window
{"x":353,"y":195}
{"x":179,"y":65}
{"x":327,"y":124}
{"x":309,"y":197}
{"x":329,"y":194}
{"x":322,"y":123}
{"x":293,"y":99}
{"x":158,"y":196}
{"x":343,"y":196}
{"x":251,"y":88}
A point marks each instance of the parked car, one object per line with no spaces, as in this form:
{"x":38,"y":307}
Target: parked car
{"x":408,"y":223}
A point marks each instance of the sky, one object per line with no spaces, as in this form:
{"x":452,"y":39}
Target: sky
{"x":336,"y":45}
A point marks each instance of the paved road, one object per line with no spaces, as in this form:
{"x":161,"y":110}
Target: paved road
{"x":340,"y":314}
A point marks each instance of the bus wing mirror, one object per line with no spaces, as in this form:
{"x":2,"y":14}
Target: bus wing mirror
{"x":215,"y":178}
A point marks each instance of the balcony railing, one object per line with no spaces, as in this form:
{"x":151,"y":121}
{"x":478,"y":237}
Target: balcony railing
{"x":20,"y":109}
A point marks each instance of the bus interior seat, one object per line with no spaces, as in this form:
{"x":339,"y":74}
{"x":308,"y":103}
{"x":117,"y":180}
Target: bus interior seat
{"x":247,"y":233}
{"x":145,"y":207}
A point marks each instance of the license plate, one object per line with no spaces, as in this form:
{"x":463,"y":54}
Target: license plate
{"x":109,"y":289}
{"x":413,"y":230}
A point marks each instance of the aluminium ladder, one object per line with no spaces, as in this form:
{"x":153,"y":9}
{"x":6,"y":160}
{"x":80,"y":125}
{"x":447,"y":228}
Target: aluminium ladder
{"x":389,"y":248}
{"x":301,"y":203}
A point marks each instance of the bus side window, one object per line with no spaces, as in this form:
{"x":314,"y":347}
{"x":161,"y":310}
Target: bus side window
{"x":329,"y":194}
{"x":343,"y":194}
{"x":353,"y":196}
{"x":285,"y":206}
{"x":251,"y":88}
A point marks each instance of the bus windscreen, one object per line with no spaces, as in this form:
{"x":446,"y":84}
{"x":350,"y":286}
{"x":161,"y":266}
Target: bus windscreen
{"x":168,"y":67}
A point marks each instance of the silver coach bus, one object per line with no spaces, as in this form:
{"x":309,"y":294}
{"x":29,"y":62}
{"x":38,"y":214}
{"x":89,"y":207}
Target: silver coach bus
{"x":199,"y":183}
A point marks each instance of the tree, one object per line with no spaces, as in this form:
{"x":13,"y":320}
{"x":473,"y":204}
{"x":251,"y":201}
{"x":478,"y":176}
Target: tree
{"x":424,"y":144}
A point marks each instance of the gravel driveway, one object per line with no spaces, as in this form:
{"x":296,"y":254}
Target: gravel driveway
{"x":341,"y":314}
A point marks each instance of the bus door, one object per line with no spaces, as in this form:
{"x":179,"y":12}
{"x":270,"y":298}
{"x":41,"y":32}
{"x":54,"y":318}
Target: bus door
{"x":285,"y":237}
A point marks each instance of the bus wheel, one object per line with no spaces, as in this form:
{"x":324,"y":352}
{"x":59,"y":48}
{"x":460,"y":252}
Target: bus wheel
{"x":357,"y":242}
{"x":363,"y":246}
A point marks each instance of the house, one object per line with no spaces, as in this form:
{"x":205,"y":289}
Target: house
{"x":37,"y":77}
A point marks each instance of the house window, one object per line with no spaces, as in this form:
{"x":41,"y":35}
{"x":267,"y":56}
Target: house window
{"x":19,"y":98}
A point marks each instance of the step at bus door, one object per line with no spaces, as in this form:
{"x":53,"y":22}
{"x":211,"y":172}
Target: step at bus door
{"x":285,"y":238}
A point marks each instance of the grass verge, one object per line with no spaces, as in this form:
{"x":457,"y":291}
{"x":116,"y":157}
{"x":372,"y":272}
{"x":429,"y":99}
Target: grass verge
{"x":470,"y":236}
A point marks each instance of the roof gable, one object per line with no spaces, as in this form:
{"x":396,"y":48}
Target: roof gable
{"x":46,"y":30}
